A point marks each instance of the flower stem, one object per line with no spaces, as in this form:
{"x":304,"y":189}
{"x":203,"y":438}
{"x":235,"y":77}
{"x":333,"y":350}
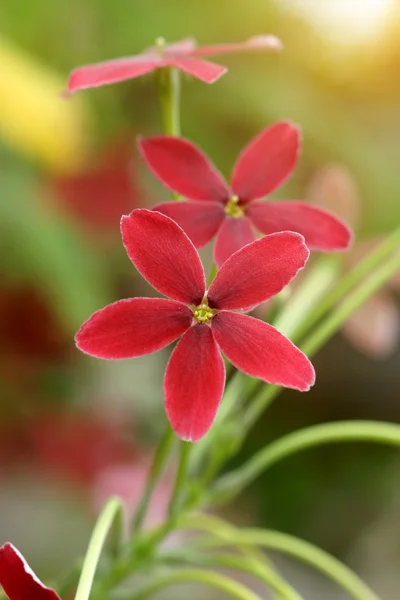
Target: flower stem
{"x":157,"y":467}
{"x":302,"y":550}
{"x":330,"y":326}
{"x":169,"y":89}
{"x":237,"y":563}
{"x":216,"y":580}
{"x":328,"y":433}
{"x":96,"y":544}
{"x":353,"y":278}
{"x":181,"y":477}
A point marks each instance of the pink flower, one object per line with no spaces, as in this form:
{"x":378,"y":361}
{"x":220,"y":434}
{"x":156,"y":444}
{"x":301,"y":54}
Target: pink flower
{"x":205,"y":321}
{"x":231,"y":212}
{"x":182,"y":55}
{"x":18,"y":580}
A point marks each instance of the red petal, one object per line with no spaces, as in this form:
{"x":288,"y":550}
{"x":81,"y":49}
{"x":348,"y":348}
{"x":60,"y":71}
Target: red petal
{"x":162,"y":252}
{"x":18,"y":580}
{"x":257,"y":42}
{"x":233,"y":235}
{"x":320,"y":228}
{"x":199,"y":220}
{"x":194,"y":383}
{"x":262,"y":351}
{"x":258,"y":271}
{"x":206,"y":71}
{"x":183,"y":168}
{"x":111,"y":71}
{"x":266,"y":162}
{"x":133,"y":327}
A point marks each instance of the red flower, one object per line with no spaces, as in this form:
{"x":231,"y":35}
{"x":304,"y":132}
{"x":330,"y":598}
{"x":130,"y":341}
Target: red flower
{"x":195,"y":376}
{"x":182,"y":55}
{"x":231,"y":211}
{"x":18,"y":580}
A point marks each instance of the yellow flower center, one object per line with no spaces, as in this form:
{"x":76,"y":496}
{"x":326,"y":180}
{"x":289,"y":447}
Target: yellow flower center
{"x":232,"y":208}
{"x":203,"y":313}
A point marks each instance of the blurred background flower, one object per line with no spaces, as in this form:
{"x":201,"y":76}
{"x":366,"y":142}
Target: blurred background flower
{"x":69,"y":169}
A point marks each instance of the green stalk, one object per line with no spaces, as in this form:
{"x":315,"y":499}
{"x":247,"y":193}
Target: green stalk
{"x":168,"y":85}
{"x":328,"y":328}
{"x":160,"y":459}
{"x":96,"y":544}
{"x":181,"y":478}
{"x":225,"y":531}
{"x":328,"y":433}
{"x":390,"y":244}
{"x":216,"y":580}
{"x":169,"y":88}
{"x":303,"y":551}
{"x":237,"y":563}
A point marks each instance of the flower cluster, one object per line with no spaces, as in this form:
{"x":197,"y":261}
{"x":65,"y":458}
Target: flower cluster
{"x":162,"y":246}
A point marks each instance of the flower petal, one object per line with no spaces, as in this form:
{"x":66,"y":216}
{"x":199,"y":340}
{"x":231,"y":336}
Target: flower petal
{"x":199,"y":220}
{"x":320,"y":228}
{"x":375,"y":327}
{"x":266,"y":162}
{"x":133,"y":327}
{"x":258,"y":271}
{"x":18,"y":580}
{"x":233,"y":235}
{"x":162,"y":252}
{"x":260,"y":350}
{"x":194,"y":383}
{"x":111,"y":71}
{"x":185,"y":46}
{"x":206,"y":71}
{"x":183,"y":168}
{"x":257,"y":42}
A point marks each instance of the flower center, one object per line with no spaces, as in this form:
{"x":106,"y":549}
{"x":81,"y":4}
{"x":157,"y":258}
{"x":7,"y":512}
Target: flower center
{"x":203,"y":313}
{"x":232,"y":208}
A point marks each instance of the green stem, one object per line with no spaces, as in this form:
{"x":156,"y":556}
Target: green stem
{"x":353,"y":278}
{"x":328,"y":328}
{"x":169,"y":88}
{"x":225,"y":531}
{"x":96,"y":544}
{"x":168,"y":81}
{"x":216,"y":580}
{"x":236,"y":563}
{"x":181,"y":477}
{"x":303,"y":551}
{"x":317,"y":435}
{"x":306,"y":299}
{"x":365,"y":290}
{"x":160,"y":459}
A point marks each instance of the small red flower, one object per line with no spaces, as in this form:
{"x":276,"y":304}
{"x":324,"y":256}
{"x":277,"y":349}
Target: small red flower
{"x":18,"y":580}
{"x":182,"y":55}
{"x":195,"y":376}
{"x":231,"y":212}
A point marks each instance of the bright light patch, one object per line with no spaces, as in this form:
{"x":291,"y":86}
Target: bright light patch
{"x":347,"y":21}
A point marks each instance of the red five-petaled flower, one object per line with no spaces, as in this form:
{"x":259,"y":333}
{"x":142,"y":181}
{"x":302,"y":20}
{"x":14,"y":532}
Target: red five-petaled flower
{"x":18,"y":580}
{"x":195,"y":375}
{"x":182,"y":55}
{"x":231,"y":212}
